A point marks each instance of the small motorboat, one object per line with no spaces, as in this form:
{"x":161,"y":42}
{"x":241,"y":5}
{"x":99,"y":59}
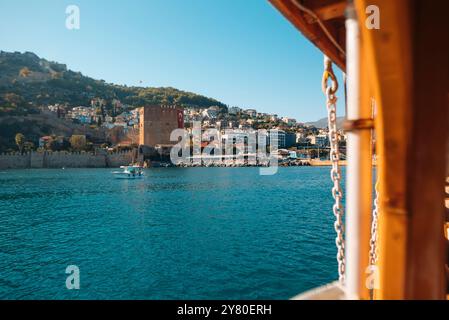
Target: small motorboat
{"x":129,"y":172}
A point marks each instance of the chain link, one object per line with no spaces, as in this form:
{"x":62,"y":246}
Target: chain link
{"x":337,"y":193}
{"x":374,"y":226}
{"x":374,"y":219}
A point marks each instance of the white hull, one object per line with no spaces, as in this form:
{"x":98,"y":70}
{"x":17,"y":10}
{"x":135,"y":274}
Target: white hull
{"x":124,"y":175}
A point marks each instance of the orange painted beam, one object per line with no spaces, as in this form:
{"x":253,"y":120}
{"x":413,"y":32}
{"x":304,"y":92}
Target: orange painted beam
{"x":331,"y":11}
{"x":313,"y":32}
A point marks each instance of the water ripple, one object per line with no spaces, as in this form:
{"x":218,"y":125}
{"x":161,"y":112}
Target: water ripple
{"x":194,"y":233}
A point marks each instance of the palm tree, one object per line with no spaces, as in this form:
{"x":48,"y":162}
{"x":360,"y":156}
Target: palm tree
{"x":20,"y":141}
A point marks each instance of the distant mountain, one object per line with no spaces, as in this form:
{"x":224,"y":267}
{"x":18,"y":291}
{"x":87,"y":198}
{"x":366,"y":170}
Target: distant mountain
{"x":28,"y":81}
{"x":322,"y":123}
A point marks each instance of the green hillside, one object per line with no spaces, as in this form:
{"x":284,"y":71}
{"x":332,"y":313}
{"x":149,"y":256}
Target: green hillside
{"x":28,"y":82}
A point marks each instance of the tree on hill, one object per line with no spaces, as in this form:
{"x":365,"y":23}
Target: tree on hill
{"x":78,"y":142}
{"x":20,"y":141}
{"x":52,"y":144}
{"x":13,"y":98}
{"x":28,"y":146}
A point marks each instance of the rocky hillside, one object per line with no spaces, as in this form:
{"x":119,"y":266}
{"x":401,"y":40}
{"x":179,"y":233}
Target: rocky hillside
{"x":27,"y":82}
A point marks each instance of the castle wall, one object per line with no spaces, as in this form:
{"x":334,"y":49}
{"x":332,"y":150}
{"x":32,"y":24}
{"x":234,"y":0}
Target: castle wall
{"x":14,"y":161}
{"x":37,"y":160}
{"x":115,"y":160}
{"x":74,"y":160}
{"x":64,"y":159}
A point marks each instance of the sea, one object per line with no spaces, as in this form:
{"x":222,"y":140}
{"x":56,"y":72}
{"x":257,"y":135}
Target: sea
{"x":178,"y":233}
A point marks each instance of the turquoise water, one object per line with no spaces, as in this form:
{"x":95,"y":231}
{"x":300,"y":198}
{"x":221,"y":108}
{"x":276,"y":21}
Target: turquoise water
{"x":179,"y":233}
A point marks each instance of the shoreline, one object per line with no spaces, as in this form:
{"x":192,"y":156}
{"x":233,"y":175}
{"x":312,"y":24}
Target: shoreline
{"x":308,"y":163}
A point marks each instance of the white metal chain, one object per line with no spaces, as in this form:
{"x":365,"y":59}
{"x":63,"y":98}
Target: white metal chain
{"x":374,"y":226}
{"x":374,"y":222}
{"x":337,"y":193}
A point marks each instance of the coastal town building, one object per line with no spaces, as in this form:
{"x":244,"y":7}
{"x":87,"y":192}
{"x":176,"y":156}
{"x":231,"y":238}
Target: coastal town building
{"x":234,"y":110}
{"x":322,"y":140}
{"x":43,"y":141}
{"x":290,"y":139}
{"x":272,"y":139}
{"x":299,"y":137}
{"x":97,"y":103}
{"x":82,"y":114}
{"x":289,"y":121}
{"x":59,"y":109}
{"x":222,"y":124}
{"x":244,"y":126}
{"x":251,"y":112}
{"x":209,"y":114}
{"x":152,"y":125}
{"x":312,"y":139}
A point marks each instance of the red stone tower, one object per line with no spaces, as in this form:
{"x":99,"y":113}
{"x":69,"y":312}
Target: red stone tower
{"x":157,"y":122}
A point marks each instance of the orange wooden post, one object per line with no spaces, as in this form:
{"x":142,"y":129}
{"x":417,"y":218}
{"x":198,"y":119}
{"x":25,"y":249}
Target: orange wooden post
{"x":388,"y":63}
{"x":427,"y":158}
{"x":409,"y":76}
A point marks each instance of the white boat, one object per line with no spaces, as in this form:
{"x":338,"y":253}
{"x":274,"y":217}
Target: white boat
{"x":129,"y":172}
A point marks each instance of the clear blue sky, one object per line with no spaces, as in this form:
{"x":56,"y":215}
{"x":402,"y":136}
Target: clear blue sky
{"x":241,"y":52}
